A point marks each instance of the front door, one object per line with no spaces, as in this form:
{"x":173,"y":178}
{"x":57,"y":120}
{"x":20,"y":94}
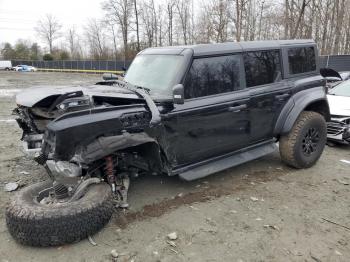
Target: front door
{"x":214,"y":119}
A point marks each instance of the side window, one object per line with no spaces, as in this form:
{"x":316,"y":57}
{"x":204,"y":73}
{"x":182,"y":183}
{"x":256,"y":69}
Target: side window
{"x":213,"y":75}
{"x":301,"y":60}
{"x":262,"y":67}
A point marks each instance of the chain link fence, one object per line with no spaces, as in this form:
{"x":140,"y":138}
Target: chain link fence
{"x":336,"y":62}
{"x":76,"y":65}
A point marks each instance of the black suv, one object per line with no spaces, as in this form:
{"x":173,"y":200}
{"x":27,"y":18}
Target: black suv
{"x":187,"y":110}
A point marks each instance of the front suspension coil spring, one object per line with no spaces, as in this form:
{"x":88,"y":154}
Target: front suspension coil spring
{"x":110,"y":171}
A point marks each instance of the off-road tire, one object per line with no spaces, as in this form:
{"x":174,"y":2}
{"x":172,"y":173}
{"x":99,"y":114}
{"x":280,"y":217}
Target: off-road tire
{"x":35,"y":224}
{"x":291,"y":145}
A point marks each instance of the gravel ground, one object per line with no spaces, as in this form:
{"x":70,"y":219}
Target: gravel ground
{"x":259,"y":211}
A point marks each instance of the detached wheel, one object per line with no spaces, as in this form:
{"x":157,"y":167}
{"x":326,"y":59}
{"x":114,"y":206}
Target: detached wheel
{"x":36,"y":224}
{"x":304,"y":144}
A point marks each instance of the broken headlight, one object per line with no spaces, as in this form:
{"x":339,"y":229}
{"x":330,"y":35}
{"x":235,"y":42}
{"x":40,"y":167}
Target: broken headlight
{"x":75,"y":104}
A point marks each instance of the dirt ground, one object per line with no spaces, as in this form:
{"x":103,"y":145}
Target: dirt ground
{"x":259,"y":211}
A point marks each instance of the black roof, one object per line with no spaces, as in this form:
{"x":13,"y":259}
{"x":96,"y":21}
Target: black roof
{"x":228,"y":47}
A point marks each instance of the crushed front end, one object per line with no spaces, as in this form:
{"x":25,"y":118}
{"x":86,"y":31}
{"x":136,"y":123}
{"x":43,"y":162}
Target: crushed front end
{"x":32,"y":130}
{"x":98,"y":132}
{"x":338,"y":129}
{"x":34,"y":118}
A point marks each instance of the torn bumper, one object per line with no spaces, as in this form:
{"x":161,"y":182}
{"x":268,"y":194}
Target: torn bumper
{"x":338,"y":130}
{"x":32,"y":144}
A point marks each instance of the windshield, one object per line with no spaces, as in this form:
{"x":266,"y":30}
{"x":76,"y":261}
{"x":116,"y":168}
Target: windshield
{"x":155,"y":72}
{"x":343,"y":89}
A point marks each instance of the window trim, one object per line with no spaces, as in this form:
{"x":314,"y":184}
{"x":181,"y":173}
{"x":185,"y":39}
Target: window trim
{"x":242,"y":81}
{"x":281,"y":66}
{"x":286,"y":59}
{"x":214,"y":95}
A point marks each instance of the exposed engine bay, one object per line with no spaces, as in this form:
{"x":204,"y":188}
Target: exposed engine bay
{"x":82,"y":151}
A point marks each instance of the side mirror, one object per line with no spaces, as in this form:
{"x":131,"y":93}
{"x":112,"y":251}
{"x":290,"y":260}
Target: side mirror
{"x":124,"y":68}
{"x":109,"y":76}
{"x":178,"y":94}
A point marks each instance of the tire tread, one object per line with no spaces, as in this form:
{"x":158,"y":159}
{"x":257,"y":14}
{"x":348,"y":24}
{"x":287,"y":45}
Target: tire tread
{"x":287,"y":143}
{"x":51,"y":227}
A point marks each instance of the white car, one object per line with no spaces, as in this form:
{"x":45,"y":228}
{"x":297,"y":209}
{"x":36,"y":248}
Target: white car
{"x":17,"y":67}
{"x":32,"y":68}
{"x":24,"y":68}
{"x":338,"y":128}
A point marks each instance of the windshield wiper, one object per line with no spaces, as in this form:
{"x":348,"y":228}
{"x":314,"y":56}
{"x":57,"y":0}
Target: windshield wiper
{"x":138,"y":87}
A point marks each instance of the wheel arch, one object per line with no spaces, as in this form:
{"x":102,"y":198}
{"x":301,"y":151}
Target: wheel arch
{"x":153,"y":153}
{"x":313,"y":99}
{"x":320,"y":106}
{"x":142,"y":143}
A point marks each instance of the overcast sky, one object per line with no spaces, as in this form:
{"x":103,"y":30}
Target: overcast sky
{"x":19,"y":17}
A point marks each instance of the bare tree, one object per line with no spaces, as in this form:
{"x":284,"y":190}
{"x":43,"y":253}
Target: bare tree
{"x":170,"y":16}
{"x":221,"y":20}
{"x":215,"y":20}
{"x":137,"y":25}
{"x":96,"y":38}
{"x":183,"y":10}
{"x":73,"y":41}
{"x":120,"y":12}
{"x":48,"y":28}
{"x":300,"y":16}
{"x":262,"y":6}
{"x":151,"y":20}
{"x":340,"y":11}
{"x":238,"y":20}
{"x":148,"y":21}
{"x":143,"y":23}
{"x":112,"y":30}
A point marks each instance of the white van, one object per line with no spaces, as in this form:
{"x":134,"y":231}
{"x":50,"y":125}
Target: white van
{"x":5,"y":65}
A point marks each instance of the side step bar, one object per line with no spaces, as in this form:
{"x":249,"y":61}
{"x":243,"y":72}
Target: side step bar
{"x":227,"y":162}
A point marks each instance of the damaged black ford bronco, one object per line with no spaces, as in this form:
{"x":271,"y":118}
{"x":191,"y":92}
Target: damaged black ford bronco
{"x":189,"y":111}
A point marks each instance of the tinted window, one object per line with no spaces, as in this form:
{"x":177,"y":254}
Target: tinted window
{"x":301,"y":60}
{"x":212,"y":75}
{"x":262,"y":67}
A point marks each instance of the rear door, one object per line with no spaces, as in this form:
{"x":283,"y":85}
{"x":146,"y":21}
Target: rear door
{"x":214,"y":119}
{"x":268,"y":91}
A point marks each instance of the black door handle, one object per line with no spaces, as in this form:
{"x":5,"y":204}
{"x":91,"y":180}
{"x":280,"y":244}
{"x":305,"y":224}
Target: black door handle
{"x":235,"y":109}
{"x":281,"y":96}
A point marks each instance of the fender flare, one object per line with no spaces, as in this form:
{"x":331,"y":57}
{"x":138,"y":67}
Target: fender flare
{"x":104,"y":146}
{"x":295,"y":105}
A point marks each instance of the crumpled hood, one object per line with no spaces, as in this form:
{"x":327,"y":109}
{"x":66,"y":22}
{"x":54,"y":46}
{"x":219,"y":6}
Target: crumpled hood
{"x":339,"y":105}
{"x":32,"y":96}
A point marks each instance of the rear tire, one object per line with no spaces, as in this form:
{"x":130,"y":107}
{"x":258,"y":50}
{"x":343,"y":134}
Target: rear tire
{"x":304,"y":144}
{"x":35,"y":224}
